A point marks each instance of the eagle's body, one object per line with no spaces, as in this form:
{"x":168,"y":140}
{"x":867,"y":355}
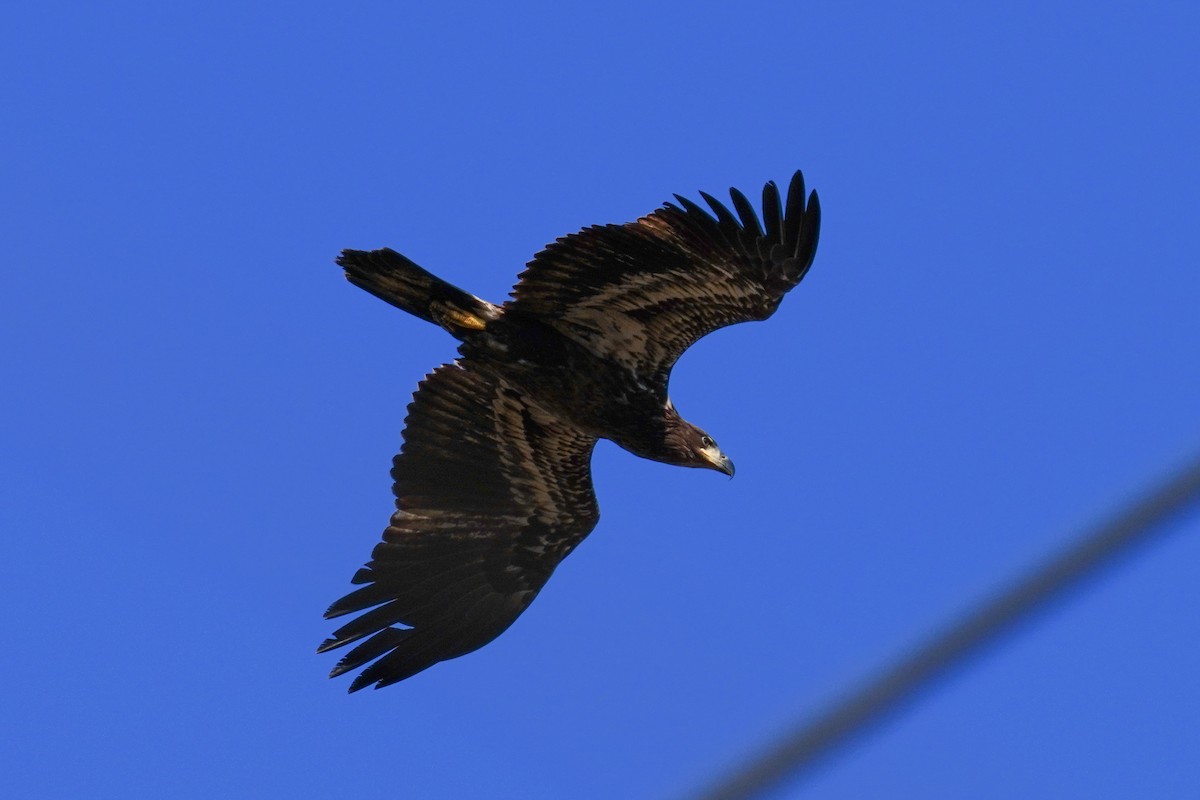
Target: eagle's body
{"x":493,"y":482}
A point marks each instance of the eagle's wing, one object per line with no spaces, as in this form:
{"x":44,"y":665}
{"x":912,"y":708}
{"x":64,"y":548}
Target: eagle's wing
{"x":492,"y":493}
{"x":643,"y":292}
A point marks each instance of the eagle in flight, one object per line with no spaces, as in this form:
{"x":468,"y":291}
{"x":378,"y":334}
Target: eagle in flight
{"x":493,"y":482}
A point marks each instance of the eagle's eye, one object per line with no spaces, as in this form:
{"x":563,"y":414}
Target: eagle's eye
{"x":706,"y":441}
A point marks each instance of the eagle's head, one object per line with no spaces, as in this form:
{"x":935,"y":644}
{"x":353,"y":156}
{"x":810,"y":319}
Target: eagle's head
{"x":695,"y":448}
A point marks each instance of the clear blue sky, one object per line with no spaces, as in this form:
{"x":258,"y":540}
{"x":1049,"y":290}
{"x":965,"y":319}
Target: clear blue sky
{"x":996,"y":346}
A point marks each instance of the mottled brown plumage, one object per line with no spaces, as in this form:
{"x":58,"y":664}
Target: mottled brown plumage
{"x":493,"y":482}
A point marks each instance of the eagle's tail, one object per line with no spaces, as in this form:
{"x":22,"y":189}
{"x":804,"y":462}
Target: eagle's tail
{"x":392,"y":277}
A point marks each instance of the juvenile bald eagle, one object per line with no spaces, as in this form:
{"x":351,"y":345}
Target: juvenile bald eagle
{"x":493,"y":482}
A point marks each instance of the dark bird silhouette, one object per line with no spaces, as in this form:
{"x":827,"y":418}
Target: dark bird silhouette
{"x":493,"y":482}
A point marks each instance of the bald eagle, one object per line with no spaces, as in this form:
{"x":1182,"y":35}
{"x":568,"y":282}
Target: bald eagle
{"x":493,"y":482}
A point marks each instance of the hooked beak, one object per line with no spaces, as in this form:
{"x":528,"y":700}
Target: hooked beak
{"x":718,"y":460}
{"x":725,"y":465}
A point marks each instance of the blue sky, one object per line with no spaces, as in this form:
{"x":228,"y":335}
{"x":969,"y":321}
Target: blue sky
{"x":995,"y":348}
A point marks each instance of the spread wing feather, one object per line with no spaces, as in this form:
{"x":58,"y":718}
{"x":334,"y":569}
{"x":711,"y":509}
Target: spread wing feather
{"x":492,"y":493}
{"x":643,"y":292}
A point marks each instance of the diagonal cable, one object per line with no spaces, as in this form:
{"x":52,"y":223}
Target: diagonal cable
{"x":800,"y":748}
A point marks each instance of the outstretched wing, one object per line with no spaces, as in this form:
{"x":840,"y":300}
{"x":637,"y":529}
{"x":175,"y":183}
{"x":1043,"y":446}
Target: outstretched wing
{"x":492,"y":493}
{"x":643,"y":292}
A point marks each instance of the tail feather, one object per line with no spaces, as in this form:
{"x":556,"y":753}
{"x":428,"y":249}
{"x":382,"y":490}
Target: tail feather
{"x":397,"y":280}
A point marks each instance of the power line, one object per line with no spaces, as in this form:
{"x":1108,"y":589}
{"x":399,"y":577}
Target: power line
{"x":799,"y":749}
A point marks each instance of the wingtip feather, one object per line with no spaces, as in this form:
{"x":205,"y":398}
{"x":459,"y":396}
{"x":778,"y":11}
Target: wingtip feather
{"x":772,"y":211}
{"x":745,"y":210}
